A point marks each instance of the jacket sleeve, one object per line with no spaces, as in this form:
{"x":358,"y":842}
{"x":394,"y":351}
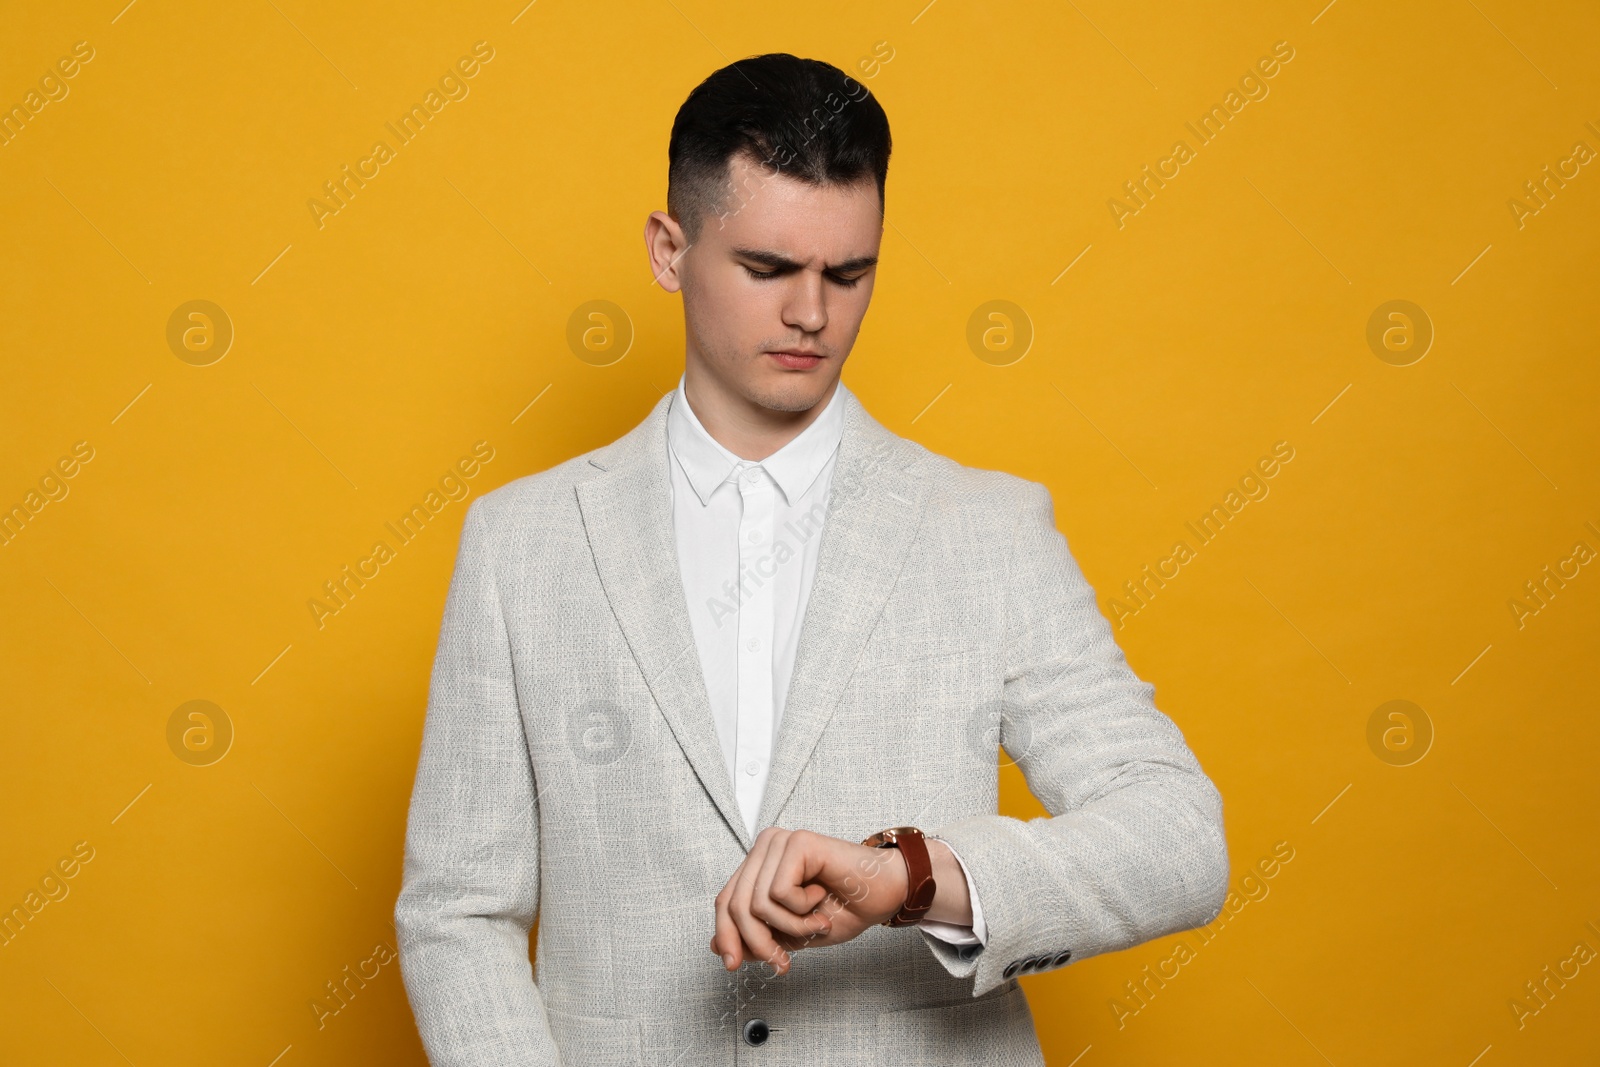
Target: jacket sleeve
{"x":470,"y":887}
{"x":1134,"y":847}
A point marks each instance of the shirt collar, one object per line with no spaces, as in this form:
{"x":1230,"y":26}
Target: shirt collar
{"x":795,"y":466}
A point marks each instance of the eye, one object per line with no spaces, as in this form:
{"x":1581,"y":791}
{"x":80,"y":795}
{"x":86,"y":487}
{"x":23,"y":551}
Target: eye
{"x":760,"y":275}
{"x":850,"y":283}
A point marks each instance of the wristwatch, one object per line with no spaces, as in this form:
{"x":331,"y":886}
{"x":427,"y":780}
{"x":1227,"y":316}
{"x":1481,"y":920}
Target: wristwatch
{"x":920,"y":886}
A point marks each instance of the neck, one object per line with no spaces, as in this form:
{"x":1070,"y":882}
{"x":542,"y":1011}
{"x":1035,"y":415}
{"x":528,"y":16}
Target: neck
{"x":748,"y":430}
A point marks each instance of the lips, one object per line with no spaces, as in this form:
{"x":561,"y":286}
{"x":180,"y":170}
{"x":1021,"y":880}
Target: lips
{"x":796,"y":358}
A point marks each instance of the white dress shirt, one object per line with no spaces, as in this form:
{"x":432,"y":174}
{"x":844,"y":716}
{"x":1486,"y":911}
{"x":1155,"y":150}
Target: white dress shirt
{"x":748,"y":534}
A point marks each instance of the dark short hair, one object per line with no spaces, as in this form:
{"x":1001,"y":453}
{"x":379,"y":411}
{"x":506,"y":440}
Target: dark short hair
{"x":802,"y":118}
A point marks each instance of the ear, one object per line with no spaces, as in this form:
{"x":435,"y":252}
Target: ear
{"x":665,"y":245}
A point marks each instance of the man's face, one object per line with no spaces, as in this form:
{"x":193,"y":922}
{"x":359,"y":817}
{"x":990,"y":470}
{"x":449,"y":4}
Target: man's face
{"x":814,"y":249}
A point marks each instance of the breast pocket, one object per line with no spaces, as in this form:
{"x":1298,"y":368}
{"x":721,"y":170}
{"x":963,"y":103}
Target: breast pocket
{"x":935,"y":645}
{"x":927,"y":717}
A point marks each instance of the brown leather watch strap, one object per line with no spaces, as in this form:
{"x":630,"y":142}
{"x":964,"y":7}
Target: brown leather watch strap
{"x":920,"y":886}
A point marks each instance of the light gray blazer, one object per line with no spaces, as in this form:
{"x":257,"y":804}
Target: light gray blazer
{"x":570,"y":771}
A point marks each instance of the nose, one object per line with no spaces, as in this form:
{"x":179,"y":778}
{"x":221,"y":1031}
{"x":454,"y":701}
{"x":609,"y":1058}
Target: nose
{"x":805,"y":308}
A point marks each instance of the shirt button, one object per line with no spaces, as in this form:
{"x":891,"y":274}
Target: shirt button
{"x":753,"y":644}
{"x":752,"y":476}
{"x":752,"y":767}
{"x":755,"y":535}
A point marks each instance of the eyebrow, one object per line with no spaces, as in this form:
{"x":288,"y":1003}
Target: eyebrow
{"x":777,"y":261}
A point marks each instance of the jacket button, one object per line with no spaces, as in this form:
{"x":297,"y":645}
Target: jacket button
{"x":1061,"y":958}
{"x":756,"y":1032}
{"x":1012,"y":968}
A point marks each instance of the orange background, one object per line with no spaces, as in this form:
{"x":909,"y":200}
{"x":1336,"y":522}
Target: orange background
{"x":1168,"y":349}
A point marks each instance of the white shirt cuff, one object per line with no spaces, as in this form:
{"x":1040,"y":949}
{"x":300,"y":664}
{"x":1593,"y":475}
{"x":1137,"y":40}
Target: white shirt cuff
{"x":977,"y":933}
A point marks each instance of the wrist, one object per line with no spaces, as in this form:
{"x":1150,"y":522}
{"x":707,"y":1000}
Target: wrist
{"x":913,"y":887}
{"x":901,"y":873}
{"x":952,"y":903}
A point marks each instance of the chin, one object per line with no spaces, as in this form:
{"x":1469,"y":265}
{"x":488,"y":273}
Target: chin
{"x":792,"y":392}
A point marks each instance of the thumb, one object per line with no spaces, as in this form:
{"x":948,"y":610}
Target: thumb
{"x":801,"y":899}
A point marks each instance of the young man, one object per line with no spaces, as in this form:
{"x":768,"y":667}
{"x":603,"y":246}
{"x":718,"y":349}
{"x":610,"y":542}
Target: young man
{"x":729,"y":689}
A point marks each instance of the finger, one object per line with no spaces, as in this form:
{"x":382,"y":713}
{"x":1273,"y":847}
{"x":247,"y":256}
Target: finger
{"x":782,"y":946}
{"x":763,"y":904}
{"x":801,"y":888}
{"x":813,"y":896}
{"x":760,"y":942}
{"x":757,"y":935}
{"x":772,"y":948}
{"x":733,"y":936}
{"x":800,"y":863}
{"x":792,"y":944}
{"x":795,"y":905}
{"x":725,"y":940}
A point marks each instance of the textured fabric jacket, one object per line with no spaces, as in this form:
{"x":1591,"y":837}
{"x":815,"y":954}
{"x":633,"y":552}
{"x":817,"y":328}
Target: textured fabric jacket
{"x":570,"y":772}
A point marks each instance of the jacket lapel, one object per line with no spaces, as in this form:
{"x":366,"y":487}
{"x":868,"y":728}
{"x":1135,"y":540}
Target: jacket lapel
{"x":627,"y":516}
{"x":875,"y":506}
